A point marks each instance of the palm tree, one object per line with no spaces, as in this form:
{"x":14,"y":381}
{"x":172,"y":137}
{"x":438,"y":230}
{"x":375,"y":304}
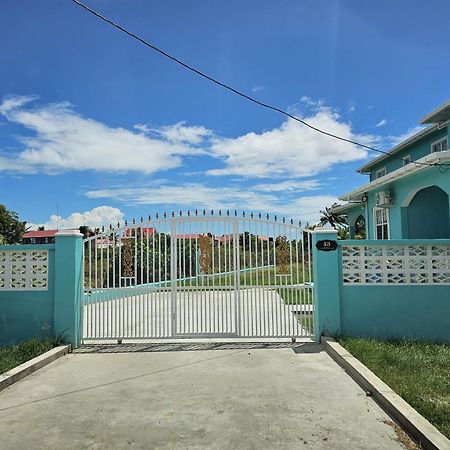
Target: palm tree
{"x":335,"y":219}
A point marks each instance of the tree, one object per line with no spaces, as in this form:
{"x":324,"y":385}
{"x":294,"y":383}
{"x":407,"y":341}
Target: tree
{"x":11,"y":227}
{"x":335,"y":219}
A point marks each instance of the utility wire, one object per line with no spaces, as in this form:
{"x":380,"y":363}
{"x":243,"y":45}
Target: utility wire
{"x":237,"y":92}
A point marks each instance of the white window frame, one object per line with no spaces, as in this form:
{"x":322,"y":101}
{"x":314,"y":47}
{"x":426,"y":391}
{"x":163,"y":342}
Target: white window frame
{"x":380,"y":170}
{"x":407,"y":160}
{"x":375,"y":210}
{"x":440,"y":141}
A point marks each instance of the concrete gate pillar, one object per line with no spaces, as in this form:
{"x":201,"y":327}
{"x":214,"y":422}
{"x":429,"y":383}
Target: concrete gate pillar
{"x":327,"y":313}
{"x":68,"y":288}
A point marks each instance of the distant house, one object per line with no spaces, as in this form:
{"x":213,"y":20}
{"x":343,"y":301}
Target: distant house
{"x":39,"y":237}
{"x":221,"y":240}
{"x":132,"y":232}
{"x":191,"y":236}
{"x":407,"y":196}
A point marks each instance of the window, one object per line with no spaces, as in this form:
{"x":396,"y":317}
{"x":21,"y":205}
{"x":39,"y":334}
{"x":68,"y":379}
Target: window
{"x":380,"y":173}
{"x":439,"y":146}
{"x":381,"y":223}
{"x":406,"y":160}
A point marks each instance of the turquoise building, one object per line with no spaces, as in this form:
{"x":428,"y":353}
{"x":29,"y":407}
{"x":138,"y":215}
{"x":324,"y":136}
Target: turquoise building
{"x":407,"y":196}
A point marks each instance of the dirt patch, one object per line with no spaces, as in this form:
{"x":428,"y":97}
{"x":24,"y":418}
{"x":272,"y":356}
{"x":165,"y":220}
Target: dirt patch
{"x":402,"y":437}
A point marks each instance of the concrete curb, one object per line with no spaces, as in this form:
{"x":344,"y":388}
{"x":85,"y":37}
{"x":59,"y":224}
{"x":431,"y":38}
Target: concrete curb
{"x":405,"y":415}
{"x":27,"y":368}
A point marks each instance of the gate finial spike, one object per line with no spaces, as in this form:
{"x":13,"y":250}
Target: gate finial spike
{"x":259,"y":216}
{"x":243,"y":213}
{"x":220,"y":212}
{"x":204,"y":212}
{"x":292,"y":221}
{"x":235,"y":213}
{"x":149,"y":217}
{"x":126,"y":223}
{"x":196,"y":212}
{"x":275,"y":217}
{"x":110,"y":226}
{"x":142,"y":219}
{"x":299,"y":223}
{"x":251,"y":215}
{"x":164,"y":215}
{"x":103,"y":228}
{"x":228,"y":212}
{"x":118,"y":224}
{"x":157,"y":216}
{"x":189,"y":213}
{"x":134,"y":220}
{"x":267,"y":216}
{"x":181,"y":213}
{"x":212,"y":212}
{"x":173,"y":213}
{"x":284,"y":220}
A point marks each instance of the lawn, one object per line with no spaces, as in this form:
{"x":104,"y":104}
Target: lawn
{"x":419,"y":372}
{"x":14,"y":355}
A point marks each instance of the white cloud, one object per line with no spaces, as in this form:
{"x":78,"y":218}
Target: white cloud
{"x":288,"y":185}
{"x":381,"y":123}
{"x":291,"y":150}
{"x":96,"y":217}
{"x":178,"y":132}
{"x":64,"y":140}
{"x":200,"y":196}
{"x":257,"y":88}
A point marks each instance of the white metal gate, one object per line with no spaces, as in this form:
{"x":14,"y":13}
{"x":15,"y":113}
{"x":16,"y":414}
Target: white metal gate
{"x":198,"y":275}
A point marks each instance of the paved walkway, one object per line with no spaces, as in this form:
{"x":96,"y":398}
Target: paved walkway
{"x":242,"y":397}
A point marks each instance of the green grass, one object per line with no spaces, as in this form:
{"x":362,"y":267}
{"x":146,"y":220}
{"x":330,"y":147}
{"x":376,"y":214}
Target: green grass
{"x":262,"y":277}
{"x":296,"y":296}
{"x":14,"y":355}
{"x":419,"y":372}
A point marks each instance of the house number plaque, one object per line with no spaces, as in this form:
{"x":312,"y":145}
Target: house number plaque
{"x":326,"y":245}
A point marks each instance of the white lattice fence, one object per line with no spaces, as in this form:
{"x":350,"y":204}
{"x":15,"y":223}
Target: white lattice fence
{"x":23,"y":270}
{"x":396,"y":264}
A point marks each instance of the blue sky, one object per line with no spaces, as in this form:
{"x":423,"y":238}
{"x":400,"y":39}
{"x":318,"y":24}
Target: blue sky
{"x":108,"y":129}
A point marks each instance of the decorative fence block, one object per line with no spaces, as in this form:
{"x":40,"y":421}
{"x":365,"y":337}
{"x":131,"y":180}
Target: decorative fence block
{"x":23,"y":270}
{"x":396,"y":264}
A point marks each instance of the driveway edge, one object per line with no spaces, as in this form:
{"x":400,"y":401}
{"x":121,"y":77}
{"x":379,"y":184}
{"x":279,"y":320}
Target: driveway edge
{"x":27,"y":368}
{"x":398,"y":409}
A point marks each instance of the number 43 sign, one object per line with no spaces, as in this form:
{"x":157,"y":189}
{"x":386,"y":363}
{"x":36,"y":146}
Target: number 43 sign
{"x":326,"y":245}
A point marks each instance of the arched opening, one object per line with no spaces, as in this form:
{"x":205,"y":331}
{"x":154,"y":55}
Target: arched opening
{"x":428,"y":214}
{"x":360,"y":227}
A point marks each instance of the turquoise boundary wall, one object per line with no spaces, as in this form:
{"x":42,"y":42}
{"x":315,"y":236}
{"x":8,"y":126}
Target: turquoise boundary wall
{"x":24,"y":314}
{"x":419,"y":312}
{"x":53,"y":312}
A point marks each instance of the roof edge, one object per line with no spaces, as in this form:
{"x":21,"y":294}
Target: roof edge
{"x":414,"y":138}
{"x":432,"y":158}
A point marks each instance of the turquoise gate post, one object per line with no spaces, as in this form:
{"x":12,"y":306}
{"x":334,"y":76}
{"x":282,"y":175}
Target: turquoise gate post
{"x":68,"y":279}
{"x":327,"y":314}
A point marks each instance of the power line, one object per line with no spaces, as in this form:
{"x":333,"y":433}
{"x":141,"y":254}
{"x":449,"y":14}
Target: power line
{"x":237,"y":92}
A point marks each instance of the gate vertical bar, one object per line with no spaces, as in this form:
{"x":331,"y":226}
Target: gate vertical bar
{"x":237,"y":277}
{"x":173,"y":274}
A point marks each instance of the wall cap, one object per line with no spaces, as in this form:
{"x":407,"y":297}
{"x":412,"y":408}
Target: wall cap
{"x":69,"y":233}
{"x":326,"y":230}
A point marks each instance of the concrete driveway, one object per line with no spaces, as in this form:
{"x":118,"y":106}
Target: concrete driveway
{"x":214,"y":396}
